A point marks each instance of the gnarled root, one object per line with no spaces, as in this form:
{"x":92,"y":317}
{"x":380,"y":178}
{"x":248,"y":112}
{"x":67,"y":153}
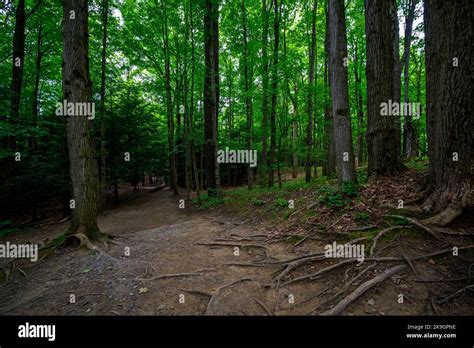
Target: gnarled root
{"x":443,"y":218}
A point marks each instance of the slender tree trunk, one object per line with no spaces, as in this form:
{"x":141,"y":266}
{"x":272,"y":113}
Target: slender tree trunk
{"x":169,"y":107}
{"x":105,"y":17}
{"x":329,"y":165}
{"x":409,"y":140}
{"x":247,"y":91}
{"x":339,"y":90}
{"x":265,"y":79}
{"x":309,"y":129}
{"x":397,"y":68}
{"x":276,"y":35}
{"x":77,"y":89}
{"x":211,"y":97}
{"x":449,"y":33}
{"x":17,"y":67}
{"x":39,"y":57}
{"x":359,"y":106}
{"x":382,"y":145}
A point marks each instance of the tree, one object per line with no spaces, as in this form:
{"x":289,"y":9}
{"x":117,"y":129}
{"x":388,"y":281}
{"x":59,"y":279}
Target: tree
{"x":382,"y":145}
{"x":105,"y":17}
{"x":248,"y":97}
{"x":76,"y":85}
{"x":309,"y":129}
{"x":211,"y":96}
{"x":409,"y":135}
{"x":265,"y":78}
{"x":448,"y":38}
{"x":339,"y":92}
{"x":276,"y":44}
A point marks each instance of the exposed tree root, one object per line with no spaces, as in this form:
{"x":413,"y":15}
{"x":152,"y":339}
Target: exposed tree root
{"x":418,"y":224}
{"x":342,"y":305}
{"x":265,"y":308}
{"x":346,"y":286}
{"x":177,"y":275}
{"x":231,"y":244}
{"x":457,"y":293}
{"x":443,"y":218}
{"x":219,"y":289}
{"x":321,"y":271}
{"x":380,"y":234}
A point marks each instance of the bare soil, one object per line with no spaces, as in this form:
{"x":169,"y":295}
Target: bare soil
{"x":215,"y":279}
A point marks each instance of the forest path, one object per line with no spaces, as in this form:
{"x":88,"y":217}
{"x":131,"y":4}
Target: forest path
{"x":163,"y":240}
{"x":185,"y":262}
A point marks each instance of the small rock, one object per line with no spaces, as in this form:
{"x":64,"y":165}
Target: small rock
{"x":432,"y":261}
{"x":371,"y":302}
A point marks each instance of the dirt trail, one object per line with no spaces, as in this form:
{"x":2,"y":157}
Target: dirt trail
{"x":164,"y":240}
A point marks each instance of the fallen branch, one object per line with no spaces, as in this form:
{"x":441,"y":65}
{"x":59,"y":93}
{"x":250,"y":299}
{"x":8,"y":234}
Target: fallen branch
{"x":342,"y":305}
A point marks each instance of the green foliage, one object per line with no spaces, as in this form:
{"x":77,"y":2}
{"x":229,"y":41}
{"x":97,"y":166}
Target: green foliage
{"x":258,"y":202}
{"x":361,"y":216}
{"x":281,"y":203}
{"x":206,"y":202}
{"x":330,"y":196}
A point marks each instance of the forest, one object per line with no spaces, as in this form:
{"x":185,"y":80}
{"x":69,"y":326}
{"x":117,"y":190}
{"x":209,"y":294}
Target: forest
{"x":229,"y":157}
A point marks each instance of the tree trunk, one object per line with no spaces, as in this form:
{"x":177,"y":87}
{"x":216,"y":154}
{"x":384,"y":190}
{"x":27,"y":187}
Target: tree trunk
{"x":248,"y":96}
{"x":105,"y":17}
{"x":448,"y":34}
{"x":276,"y":43}
{"x":409,"y":139}
{"x":77,"y":89}
{"x":382,"y":145}
{"x":397,"y":68}
{"x":309,"y":129}
{"x":211,"y":96}
{"x":169,"y":107}
{"x":339,"y":91}
{"x":359,"y":106}
{"x":265,"y":79}
{"x":39,"y":57}
{"x":329,"y":165}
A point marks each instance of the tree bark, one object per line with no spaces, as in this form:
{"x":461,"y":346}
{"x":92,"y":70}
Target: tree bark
{"x":211,"y":96}
{"x":409,"y":140}
{"x":382,"y":145}
{"x":448,"y":41}
{"x":105,"y":17}
{"x":309,"y":129}
{"x":265,"y":80}
{"x":247,"y":91}
{"x":276,"y":43}
{"x":77,"y":89}
{"x":339,"y":91}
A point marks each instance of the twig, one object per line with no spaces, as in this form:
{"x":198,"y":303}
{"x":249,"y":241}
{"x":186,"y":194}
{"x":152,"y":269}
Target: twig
{"x":362,"y":228}
{"x":341,"y":306}
{"x":446,"y":299}
{"x":410,"y":264}
{"x":442,"y":280}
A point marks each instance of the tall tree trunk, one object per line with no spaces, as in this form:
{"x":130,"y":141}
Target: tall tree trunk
{"x":211,"y":96}
{"x":105,"y":17}
{"x":309,"y":129}
{"x":169,"y":106}
{"x":397,"y":69}
{"x":409,"y":139}
{"x":382,"y":145}
{"x":276,"y":43}
{"x":77,"y":89}
{"x":39,"y":57}
{"x":359,"y":106}
{"x":265,"y":80}
{"x":339,"y":91}
{"x":17,"y":67}
{"x":329,"y":165}
{"x":449,"y":35}
{"x":248,"y":96}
